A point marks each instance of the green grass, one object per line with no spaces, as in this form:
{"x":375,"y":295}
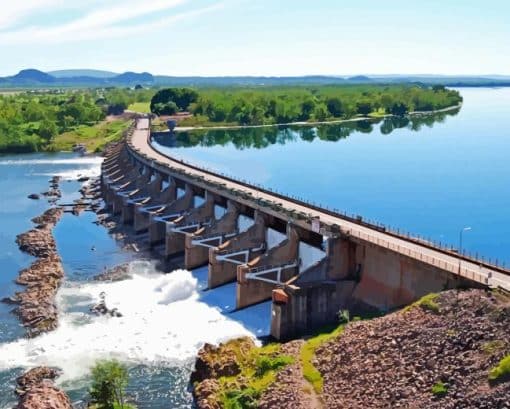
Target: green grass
{"x":94,"y":137}
{"x":492,"y":347}
{"x":427,"y":302}
{"x":258,"y":369}
{"x":501,"y":372}
{"x":440,"y":389}
{"x":310,"y":373}
{"x":140,"y":107}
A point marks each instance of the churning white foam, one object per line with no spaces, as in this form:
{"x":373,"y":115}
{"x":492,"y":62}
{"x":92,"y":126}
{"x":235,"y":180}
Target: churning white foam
{"x":164,"y":322}
{"x":73,"y":174}
{"x":83,"y":160}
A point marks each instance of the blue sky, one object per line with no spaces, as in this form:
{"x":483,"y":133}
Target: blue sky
{"x":257,"y":37}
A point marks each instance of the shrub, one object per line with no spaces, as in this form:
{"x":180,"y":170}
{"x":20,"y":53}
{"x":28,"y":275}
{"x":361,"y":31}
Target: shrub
{"x":109,"y":380}
{"x":440,"y":389}
{"x":501,"y":372}
{"x":265,"y":364}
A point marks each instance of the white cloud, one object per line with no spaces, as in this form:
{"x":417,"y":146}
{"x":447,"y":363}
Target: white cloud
{"x":107,"y":22}
{"x":13,"y":11}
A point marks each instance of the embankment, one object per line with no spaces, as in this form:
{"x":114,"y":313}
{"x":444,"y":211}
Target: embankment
{"x":438,"y":353}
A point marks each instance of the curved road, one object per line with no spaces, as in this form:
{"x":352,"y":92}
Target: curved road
{"x":448,"y":262}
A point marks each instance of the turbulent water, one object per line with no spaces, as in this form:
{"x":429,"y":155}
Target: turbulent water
{"x":165,"y":319}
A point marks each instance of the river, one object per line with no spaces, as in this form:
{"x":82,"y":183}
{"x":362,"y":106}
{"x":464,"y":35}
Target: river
{"x":166,"y":318}
{"x":431,"y":176}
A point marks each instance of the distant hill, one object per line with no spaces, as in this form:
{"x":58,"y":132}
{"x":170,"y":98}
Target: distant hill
{"x":32,"y":78}
{"x":133,"y":77}
{"x":82,"y":73}
{"x":360,"y":78}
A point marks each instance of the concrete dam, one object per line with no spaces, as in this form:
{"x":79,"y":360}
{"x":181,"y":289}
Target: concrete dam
{"x":311,"y":262}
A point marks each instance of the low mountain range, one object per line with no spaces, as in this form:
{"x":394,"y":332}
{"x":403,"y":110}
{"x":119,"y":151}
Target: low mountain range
{"x":32,"y":78}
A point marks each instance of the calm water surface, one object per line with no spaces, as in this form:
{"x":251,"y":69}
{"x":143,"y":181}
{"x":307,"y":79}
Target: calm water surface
{"x":431,"y":176}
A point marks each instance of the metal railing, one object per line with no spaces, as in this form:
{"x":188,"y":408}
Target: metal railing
{"x":439,"y":247}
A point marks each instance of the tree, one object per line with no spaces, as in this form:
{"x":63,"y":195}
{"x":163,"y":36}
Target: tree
{"x":335,"y":107}
{"x":399,"y":109}
{"x":47,"y":130}
{"x":109,"y":381}
{"x":182,"y":97}
{"x":364,"y":108}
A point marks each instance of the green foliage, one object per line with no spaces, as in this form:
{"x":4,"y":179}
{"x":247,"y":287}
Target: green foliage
{"x":344,"y":316}
{"x":427,"y":302}
{"x":241,"y":398}
{"x":109,"y":380}
{"x":439,"y":389}
{"x":94,"y":137}
{"x":47,"y":130}
{"x":258,"y":367}
{"x":279,"y":105}
{"x":265,"y":364}
{"x":166,"y":99}
{"x":310,"y":373}
{"x":501,"y":372}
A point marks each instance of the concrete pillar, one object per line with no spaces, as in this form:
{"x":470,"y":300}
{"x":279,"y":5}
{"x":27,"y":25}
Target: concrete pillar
{"x":142,"y":217}
{"x":223,"y":271}
{"x":175,"y":241}
{"x":198,"y":255}
{"x":252,"y":291}
{"x":128,"y":206}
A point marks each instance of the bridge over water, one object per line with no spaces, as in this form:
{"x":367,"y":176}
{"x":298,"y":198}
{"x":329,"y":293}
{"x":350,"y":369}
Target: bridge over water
{"x":310,"y":261}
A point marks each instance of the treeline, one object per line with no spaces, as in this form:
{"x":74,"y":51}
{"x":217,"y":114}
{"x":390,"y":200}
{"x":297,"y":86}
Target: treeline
{"x":272,"y":105}
{"x":29,"y":121}
{"x":259,"y":138}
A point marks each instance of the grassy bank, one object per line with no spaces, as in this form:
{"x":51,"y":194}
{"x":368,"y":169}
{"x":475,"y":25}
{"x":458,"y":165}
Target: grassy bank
{"x":143,"y":107}
{"x":94,"y":137}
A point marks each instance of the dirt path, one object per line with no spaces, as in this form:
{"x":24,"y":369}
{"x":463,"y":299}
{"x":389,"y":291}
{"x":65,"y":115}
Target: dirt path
{"x":291,"y":390}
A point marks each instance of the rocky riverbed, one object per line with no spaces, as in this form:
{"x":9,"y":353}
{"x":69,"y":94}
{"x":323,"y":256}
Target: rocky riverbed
{"x":37,"y":309}
{"x":36,"y":390}
{"x":435,"y":354}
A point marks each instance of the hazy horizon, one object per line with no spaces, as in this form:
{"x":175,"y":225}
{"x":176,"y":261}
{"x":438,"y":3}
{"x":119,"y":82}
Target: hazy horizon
{"x":265,"y":38}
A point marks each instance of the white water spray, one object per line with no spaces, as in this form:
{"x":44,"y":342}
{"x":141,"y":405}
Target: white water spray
{"x":164,"y":323}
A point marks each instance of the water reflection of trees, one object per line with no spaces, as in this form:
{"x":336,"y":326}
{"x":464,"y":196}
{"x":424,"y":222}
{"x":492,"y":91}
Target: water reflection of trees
{"x":259,"y":138}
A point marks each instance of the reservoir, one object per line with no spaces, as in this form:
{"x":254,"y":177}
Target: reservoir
{"x":431,"y":176}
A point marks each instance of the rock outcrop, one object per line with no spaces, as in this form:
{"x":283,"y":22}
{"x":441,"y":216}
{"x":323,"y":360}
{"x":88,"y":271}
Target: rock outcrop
{"x":396,"y":360}
{"x":435,"y":354}
{"x":37,"y":309}
{"x":36,"y":390}
{"x":212,"y":363}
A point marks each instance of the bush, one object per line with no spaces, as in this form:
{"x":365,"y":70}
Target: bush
{"x":501,"y":372}
{"x":265,"y":364}
{"x":440,"y":389}
{"x":109,"y":380}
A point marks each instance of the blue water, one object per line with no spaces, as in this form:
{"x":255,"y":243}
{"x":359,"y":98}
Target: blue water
{"x":86,"y":249}
{"x":431,"y":177}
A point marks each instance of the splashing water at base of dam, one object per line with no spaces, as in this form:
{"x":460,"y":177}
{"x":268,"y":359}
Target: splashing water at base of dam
{"x":165,"y":319}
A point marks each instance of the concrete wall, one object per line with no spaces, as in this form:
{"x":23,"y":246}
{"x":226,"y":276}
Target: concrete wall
{"x":389,"y":280}
{"x":309,"y":307}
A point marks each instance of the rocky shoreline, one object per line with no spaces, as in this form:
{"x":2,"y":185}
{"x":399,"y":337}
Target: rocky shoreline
{"x":437,"y":353}
{"x":36,"y":389}
{"x":37,"y":309}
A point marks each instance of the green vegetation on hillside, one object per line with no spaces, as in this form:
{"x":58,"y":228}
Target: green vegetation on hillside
{"x":270,"y":105}
{"x":94,"y":137}
{"x":310,"y":373}
{"x":51,"y":120}
{"x":501,"y":372}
